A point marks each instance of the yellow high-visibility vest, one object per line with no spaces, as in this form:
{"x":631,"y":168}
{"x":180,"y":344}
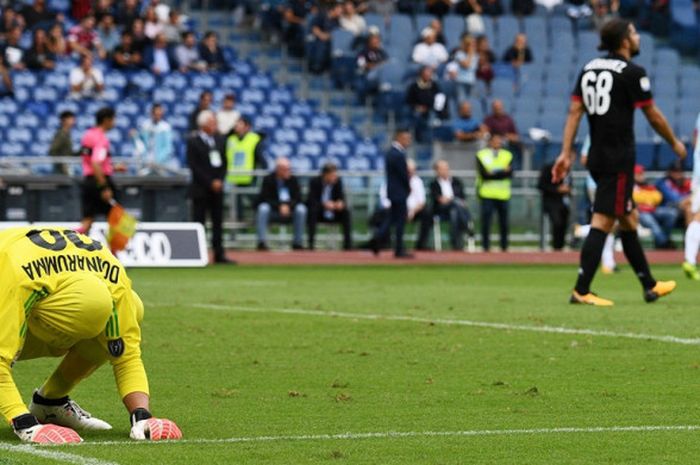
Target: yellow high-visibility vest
{"x":240,"y":154}
{"x":497,"y":189}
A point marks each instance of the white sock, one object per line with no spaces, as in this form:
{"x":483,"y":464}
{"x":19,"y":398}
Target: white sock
{"x":692,"y":242}
{"x":608,"y":257}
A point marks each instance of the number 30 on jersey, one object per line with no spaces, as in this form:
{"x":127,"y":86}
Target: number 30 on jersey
{"x":596,"y":88}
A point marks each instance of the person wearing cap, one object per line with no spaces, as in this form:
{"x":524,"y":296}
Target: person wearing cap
{"x":652,"y":215}
{"x":429,"y":52}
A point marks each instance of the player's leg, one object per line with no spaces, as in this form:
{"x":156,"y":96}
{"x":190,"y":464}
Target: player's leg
{"x":591,"y":253}
{"x":608,"y":264}
{"x":635,"y":256}
{"x":76,"y":311}
{"x":692,"y":238}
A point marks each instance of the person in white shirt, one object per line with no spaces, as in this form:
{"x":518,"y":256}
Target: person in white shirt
{"x":692,"y":233}
{"x":86,"y":81}
{"x":429,"y":52}
{"x":351,"y":21}
{"x":228,"y":116}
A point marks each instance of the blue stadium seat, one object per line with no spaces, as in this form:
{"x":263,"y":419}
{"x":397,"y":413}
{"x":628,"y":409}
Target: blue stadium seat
{"x":265,"y":123}
{"x":588,"y":41}
{"x":12,"y":149}
{"x":111,"y":95}
{"x":310,"y":149}
{"x":116,"y":79}
{"x":67,"y":105}
{"x":176,"y":81}
{"x":281,"y":95}
{"x":48,"y":94}
{"x":324,"y":121}
{"x":202,"y":81}
{"x":5,"y":123}
{"x":24,"y":79}
{"x":378,"y":21}
{"x":343,"y":134}
{"x":316,"y":135}
{"x":276,"y":109}
{"x":183,"y":108}
{"x":453,"y":27}
{"x":401,"y":29}
{"x":115,"y":137}
{"x":302,"y":163}
{"x":667,"y":58}
{"x":367,"y":148}
{"x":686,"y":124}
{"x":360,"y":163}
{"x":23,"y":94}
{"x":8,"y":106}
{"x":57,"y":80}
{"x":27,"y":120}
{"x":178,"y":122}
{"x":166,"y":95}
{"x":143,"y":80}
{"x":294,"y":121}
{"x":20,"y":134}
{"x":642,"y":131}
{"x":128,"y":107}
{"x":246,"y":108}
{"x":286,"y":135}
{"x":254,"y":96}
{"x":646,"y":154}
{"x":232,"y":81}
{"x":339,"y":150}
{"x":536,"y":30}
{"x":281,"y":150}
{"x":261,"y":81}
{"x":302,"y":108}
{"x":506,"y":29}
{"x":421,"y":21}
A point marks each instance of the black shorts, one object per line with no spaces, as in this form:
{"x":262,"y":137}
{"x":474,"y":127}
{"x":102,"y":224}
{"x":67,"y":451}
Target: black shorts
{"x":613,"y":195}
{"x":92,"y":199}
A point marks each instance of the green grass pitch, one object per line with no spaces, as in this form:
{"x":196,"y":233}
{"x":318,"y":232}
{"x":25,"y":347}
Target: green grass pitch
{"x":227,"y":362}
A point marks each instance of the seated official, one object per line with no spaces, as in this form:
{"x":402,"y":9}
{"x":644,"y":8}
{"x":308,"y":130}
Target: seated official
{"x":280,"y":201}
{"x":448,"y":202}
{"x":326,"y":204}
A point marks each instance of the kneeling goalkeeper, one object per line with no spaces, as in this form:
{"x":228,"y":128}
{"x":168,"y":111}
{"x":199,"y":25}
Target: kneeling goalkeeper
{"x":65,"y":295}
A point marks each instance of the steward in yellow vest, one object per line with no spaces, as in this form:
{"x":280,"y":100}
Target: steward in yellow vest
{"x":244,"y":153}
{"x":493,"y":188}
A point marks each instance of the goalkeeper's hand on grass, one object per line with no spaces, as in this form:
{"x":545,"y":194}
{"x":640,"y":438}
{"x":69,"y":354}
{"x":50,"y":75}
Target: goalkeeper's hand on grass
{"x":144,"y":426}
{"x":28,"y":429}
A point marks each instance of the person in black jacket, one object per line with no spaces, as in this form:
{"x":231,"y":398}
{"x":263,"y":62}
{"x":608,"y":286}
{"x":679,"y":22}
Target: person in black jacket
{"x":280,"y":201}
{"x":205,"y":157}
{"x":556,"y":198}
{"x":425,"y":98}
{"x":449,"y":203}
{"x":326,"y":204}
{"x":398,"y":188}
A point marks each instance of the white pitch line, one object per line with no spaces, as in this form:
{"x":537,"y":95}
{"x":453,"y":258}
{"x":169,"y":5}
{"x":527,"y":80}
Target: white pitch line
{"x":450,"y":322}
{"x":412,"y":434}
{"x":52,"y":455}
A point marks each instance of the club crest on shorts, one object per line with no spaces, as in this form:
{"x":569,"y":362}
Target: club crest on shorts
{"x":116,"y":347}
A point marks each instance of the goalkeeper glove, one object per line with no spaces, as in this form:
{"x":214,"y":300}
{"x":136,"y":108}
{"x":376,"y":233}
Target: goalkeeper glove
{"x":28,"y":429}
{"x":144,"y":426}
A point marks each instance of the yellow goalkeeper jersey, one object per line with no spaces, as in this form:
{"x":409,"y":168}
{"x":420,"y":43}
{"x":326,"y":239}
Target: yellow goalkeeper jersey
{"x":34,"y":263}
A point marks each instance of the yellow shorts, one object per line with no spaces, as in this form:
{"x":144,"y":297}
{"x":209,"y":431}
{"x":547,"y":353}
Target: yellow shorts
{"x":78,"y":309}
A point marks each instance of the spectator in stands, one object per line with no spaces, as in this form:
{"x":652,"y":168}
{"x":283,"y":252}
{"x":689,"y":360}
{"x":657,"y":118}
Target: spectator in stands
{"x":154,"y":144}
{"x":351,"y":21}
{"x":212,"y":54}
{"x":385,"y":8}
{"x":101,"y":8}
{"x":127,"y":12}
{"x":436,"y":25}
{"x":652,"y":215}
{"x":80,"y":8}
{"x":519,"y":53}
{"x":466,"y":127}
{"x":37,"y":14}
{"x":491,"y":7}
{"x":125,"y":56}
{"x":468,"y":8}
{"x":319,"y":45}
{"x":97,"y":188}
{"x":487,"y":58}
{"x":676,"y":189}
{"x":227,"y":116}
{"x":604,"y":11}
{"x":425,"y":99}
{"x":62,"y":143}
{"x":429,"y":52}
{"x":398,"y":190}
{"x":556,"y":201}
{"x":160,"y":58}
{"x":204,"y":103}
{"x":294,"y":25}
{"x":369,"y":62}
{"x":151,"y":25}
{"x":438,"y":7}
{"x":39,"y":57}
{"x":86,"y":81}
{"x":108,"y":33}
{"x":522,"y":7}
{"x":174,"y":28}
{"x":58,"y":45}
{"x":449,"y":204}
{"x":326,"y":204}
{"x":83,"y":38}
{"x":138,"y":36}
{"x":499,"y":122}
{"x":208,"y":165}
{"x":187,"y":54}
{"x":6,"y":87}
{"x":467,"y":60}
{"x":280,"y":201}
{"x":244,"y":152}
{"x":495,"y":171}
{"x":10,"y":20}
{"x":12,"y":51}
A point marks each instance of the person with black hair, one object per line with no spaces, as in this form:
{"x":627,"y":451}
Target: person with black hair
{"x":608,"y":90}
{"x":97,"y":188}
{"x":326,"y":204}
{"x":61,"y":144}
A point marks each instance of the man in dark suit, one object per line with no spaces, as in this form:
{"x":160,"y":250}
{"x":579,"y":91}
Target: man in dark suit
{"x":556,"y":198}
{"x":280,"y":201}
{"x":326,"y":204}
{"x":398,"y":188}
{"x":449,"y":203}
{"x":205,"y":157}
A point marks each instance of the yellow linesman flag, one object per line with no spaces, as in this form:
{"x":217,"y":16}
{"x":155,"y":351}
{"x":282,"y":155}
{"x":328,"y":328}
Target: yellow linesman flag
{"x":122,"y":227}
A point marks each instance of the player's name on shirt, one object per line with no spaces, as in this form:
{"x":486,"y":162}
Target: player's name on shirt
{"x":609,"y":64}
{"x":67,"y":263}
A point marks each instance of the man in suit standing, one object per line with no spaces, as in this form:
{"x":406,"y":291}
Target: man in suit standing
{"x":449,"y":203}
{"x":398,"y":189}
{"x":326,"y":204}
{"x":205,"y":157}
{"x":280,"y":201}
